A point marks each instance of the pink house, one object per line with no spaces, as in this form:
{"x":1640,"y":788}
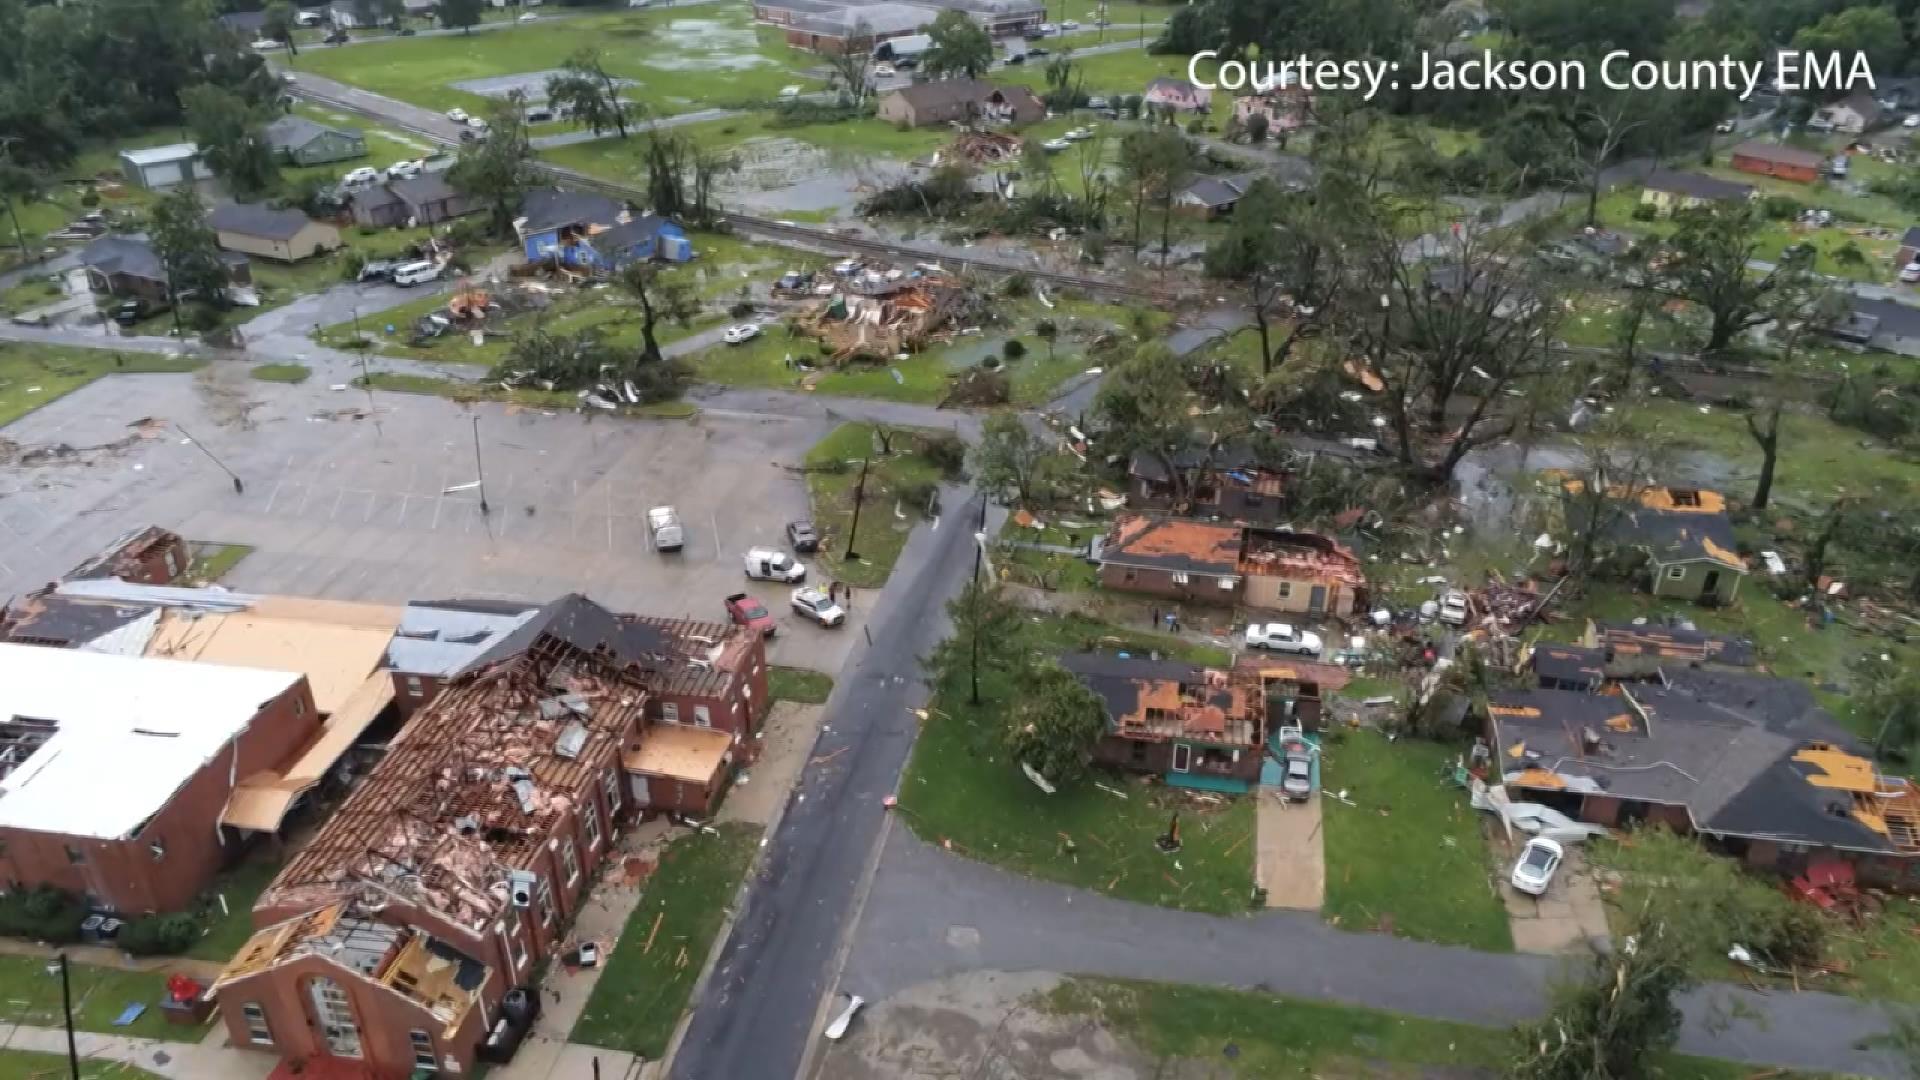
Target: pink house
{"x":1286,"y":108}
{"x":1178,"y":95}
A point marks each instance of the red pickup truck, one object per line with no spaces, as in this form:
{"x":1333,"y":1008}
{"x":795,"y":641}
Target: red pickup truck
{"x":750,"y":613}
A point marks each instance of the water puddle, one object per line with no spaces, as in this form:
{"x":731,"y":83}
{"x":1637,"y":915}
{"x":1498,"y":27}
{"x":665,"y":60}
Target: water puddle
{"x":703,"y":45}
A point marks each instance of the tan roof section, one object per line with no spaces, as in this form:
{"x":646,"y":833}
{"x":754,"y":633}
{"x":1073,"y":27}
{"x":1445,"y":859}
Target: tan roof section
{"x":334,"y":643}
{"x":261,"y":801}
{"x":679,"y":752}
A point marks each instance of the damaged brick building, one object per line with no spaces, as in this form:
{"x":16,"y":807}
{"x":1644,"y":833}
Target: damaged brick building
{"x":1264,"y":568}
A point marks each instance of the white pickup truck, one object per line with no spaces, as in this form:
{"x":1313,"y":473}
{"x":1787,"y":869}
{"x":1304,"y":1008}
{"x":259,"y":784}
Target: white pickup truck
{"x":663,"y":525}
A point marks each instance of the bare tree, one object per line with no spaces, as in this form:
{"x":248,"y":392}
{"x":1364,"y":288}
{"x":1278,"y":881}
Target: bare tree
{"x":853,"y":65}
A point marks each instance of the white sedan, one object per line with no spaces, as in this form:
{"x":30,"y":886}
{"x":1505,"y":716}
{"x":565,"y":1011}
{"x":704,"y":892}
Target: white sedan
{"x":1910,"y":273}
{"x":457,"y":115}
{"x":264,"y":44}
{"x":1534,"y":870}
{"x":1054,"y":146}
{"x":528,"y":17}
{"x":361,"y":177}
{"x":1281,"y":637}
{"x":734,"y":335}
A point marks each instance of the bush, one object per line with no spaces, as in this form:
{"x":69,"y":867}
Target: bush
{"x":91,"y":198}
{"x":945,"y":450}
{"x":202,"y":317}
{"x":1644,"y":212}
{"x":1016,"y":286}
{"x":918,"y":496}
{"x":160,"y":935}
{"x":352,"y":264}
{"x":42,"y":914}
{"x":1780,"y":207}
{"x":741,"y":309}
{"x":1014,"y":349}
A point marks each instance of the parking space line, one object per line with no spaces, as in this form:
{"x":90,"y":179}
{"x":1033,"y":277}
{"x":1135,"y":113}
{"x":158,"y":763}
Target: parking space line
{"x":714,"y":521}
{"x":372,"y":498}
{"x":438,"y":500}
{"x":285,"y":468}
{"x":335,"y":512}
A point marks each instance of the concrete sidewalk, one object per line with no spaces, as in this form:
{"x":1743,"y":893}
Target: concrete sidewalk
{"x":208,"y":1059}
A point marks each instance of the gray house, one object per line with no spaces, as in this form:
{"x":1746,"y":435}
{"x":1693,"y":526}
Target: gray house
{"x":157,"y":168}
{"x":1887,"y":325}
{"x":426,"y":199}
{"x":308,"y":142}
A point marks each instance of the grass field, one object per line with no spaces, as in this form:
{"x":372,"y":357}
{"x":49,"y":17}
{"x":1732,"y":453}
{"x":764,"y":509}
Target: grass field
{"x":961,"y":789}
{"x":798,"y":684}
{"x":210,"y":564}
{"x":1408,"y":858}
{"x":30,"y":995}
{"x":1818,"y":458}
{"x":882,"y":534}
{"x":706,"y":57}
{"x":32,"y":375}
{"x":28,"y":1065}
{"x":1188,"y":1030}
{"x":282,"y":373}
{"x":651,"y":970}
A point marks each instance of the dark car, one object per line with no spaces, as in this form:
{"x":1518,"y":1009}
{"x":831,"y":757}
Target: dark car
{"x":1036,"y":52}
{"x":1016,"y":58}
{"x":338,"y":37}
{"x":801,"y":535}
{"x":1033,"y":34}
{"x":128,"y":312}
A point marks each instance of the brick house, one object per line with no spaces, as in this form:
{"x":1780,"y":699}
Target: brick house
{"x":1264,"y":568}
{"x":1227,"y":483}
{"x":1773,"y":159}
{"x":1191,"y":726}
{"x":148,"y":556}
{"x":1748,"y":762}
{"x":1285,"y":108}
{"x":449,"y":876}
{"x":944,"y":101}
{"x":118,"y":768}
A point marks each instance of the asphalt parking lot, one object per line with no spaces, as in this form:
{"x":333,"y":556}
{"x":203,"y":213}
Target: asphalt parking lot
{"x":359,"y":509}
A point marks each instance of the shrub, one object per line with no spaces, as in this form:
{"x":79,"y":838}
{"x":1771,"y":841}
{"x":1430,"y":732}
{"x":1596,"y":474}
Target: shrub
{"x":160,"y":935}
{"x":741,"y":309}
{"x":1014,"y":349}
{"x":1016,"y":286}
{"x":918,"y":496}
{"x":41,"y":914}
{"x":1644,"y":212}
{"x":945,"y":450}
{"x":91,"y":198}
{"x":1780,"y":207}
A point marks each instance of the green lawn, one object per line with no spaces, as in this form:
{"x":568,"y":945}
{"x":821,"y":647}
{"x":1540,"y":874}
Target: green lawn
{"x":211,"y":563}
{"x":241,"y":886}
{"x":28,"y":1065}
{"x":1124,"y":72}
{"x":282,"y":373}
{"x":1050,"y":570}
{"x":1818,"y":458}
{"x":30,"y":294}
{"x":960,"y":790}
{"x":29,"y":995}
{"x":846,"y":144}
{"x":681,"y":60}
{"x":651,"y":969}
{"x":1188,"y":1028}
{"x":33,"y":375}
{"x":1863,"y":219}
{"x":1408,"y":856}
{"x":882,"y":532}
{"x":799,"y":684}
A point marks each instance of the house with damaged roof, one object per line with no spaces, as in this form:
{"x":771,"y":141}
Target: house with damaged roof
{"x":1683,"y":533}
{"x":1227,"y":482}
{"x":1608,"y":652}
{"x":1265,"y":568}
{"x":451,"y":874}
{"x":1748,"y":762}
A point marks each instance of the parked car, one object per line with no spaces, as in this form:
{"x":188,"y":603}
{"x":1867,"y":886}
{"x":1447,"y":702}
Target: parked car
{"x":457,"y":115}
{"x":1069,"y":25}
{"x":309,"y":18}
{"x":734,"y":335}
{"x":1034,"y":34}
{"x":1016,"y":59}
{"x":1533,"y":872}
{"x":1078,"y":134}
{"x":265,"y":44}
{"x":378,"y":270}
{"x":338,"y":37}
{"x":1838,"y":166}
{"x":1912,"y":120}
{"x":1281,"y":637}
{"x":750,"y":613}
{"x":801,"y":535}
{"x":790,"y":93}
{"x":1910,"y":273}
{"x":404,"y":170}
{"x":1037,"y":51}
{"x":528,"y":17}
{"x":663,"y":525}
{"x":415,"y":273}
{"x":132,"y":310}
{"x":361,"y":177}
{"x":518,"y":1010}
{"x":1723,"y":126}
{"x":766,"y":564}
{"x":883,"y":70}
{"x":1048,"y":28}
{"x":1054,"y":146}
{"x":1297,"y":784}
{"x":1453,"y":608}
{"x":814,"y":604}
{"x":1096,"y":102}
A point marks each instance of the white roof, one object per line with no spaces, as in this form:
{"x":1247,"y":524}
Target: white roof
{"x":153,"y":155}
{"x":128,"y":733}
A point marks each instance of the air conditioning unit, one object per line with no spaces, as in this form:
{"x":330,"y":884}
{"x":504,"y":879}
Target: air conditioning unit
{"x":520,"y":887}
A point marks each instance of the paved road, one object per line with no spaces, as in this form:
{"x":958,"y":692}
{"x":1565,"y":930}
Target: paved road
{"x":931,"y":914}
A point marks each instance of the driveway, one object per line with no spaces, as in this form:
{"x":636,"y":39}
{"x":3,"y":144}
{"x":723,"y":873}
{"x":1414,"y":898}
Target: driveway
{"x":349,"y":504}
{"x":1289,"y":850}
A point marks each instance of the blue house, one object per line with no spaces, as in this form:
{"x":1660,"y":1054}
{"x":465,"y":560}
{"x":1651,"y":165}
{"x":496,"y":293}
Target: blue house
{"x":584,"y":231}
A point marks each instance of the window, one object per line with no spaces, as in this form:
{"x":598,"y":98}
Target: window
{"x":610,"y":787}
{"x":1137,"y":751}
{"x":415,"y":688}
{"x":516,"y":948}
{"x":1182,"y":757}
{"x":1227,"y":583}
{"x":1179,"y":577}
{"x":299,"y":706}
{"x":158,"y":849}
{"x":1286,"y":590}
{"x":173,"y":563}
{"x":1675,"y":573}
{"x":1684,"y":496}
{"x":570,"y":860}
{"x":1126,"y":575}
{"x":75,"y":855}
{"x":258,"y":1033}
{"x":543,"y":895}
{"x":423,"y":1050}
{"x":670,"y":711}
{"x":590,"y":824}
{"x":702,"y":716}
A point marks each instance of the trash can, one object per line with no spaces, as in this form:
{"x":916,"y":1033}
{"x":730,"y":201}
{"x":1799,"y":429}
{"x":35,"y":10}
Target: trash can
{"x":90,"y":927}
{"x":110,"y":929}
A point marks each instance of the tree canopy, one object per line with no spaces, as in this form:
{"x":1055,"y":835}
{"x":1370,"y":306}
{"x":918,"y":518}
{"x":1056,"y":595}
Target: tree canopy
{"x":960,"y":46}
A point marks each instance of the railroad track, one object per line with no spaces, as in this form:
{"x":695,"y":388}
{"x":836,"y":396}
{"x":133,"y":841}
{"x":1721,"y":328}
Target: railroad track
{"x":777,"y":231}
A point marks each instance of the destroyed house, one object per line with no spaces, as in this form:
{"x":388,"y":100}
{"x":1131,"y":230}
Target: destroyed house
{"x":1667,"y":645}
{"x":148,"y":556}
{"x":1568,"y":667}
{"x":450,"y":875}
{"x":583,"y":231}
{"x":115,"y":770}
{"x":1227,"y":483}
{"x":1750,"y":763}
{"x":1191,"y":726}
{"x":1265,"y":568}
{"x":1295,"y":690}
{"x":1683,"y":533}
{"x":879,"y":318}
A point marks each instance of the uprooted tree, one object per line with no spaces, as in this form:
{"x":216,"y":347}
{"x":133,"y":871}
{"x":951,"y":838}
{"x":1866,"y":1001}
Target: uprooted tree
{"x":586,"y":362}
{"x":1013,"y":464}
{"x":661,"y":299}
{"x":1054,"y":726}
{"x":586,"y":90}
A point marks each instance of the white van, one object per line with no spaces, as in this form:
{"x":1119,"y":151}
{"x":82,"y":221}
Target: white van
{"x":415,"y":273}
{"x":663,"y":524}
{"x":789,"y":93}
{"x":765,"y":564}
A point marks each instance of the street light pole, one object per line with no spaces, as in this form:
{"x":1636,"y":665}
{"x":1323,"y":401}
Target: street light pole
{"x":238,"y":487}
{"x":859,"y":495}
{"x":66,"y":1007}
{"x":979,"y":553}
{"x":479,"y":473}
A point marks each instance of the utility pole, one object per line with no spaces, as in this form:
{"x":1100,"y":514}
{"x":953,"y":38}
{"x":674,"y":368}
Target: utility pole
{"x":66,"y":1008}
{"x":479,"y":473}
{"x":238,"y":487}
{"x":979,"y":553}
{"x":859,"y":495}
